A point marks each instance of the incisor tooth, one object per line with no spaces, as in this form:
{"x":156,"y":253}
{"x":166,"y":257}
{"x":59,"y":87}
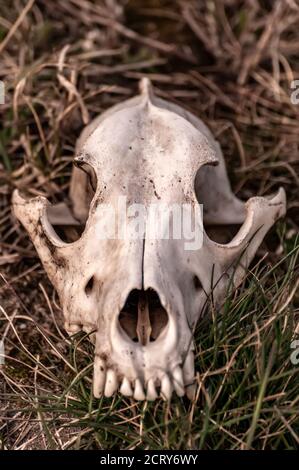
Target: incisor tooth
{"x":126,"y":388}
{"x":138,"y":392}
{"x":151,"y":390}
{"x":178,"y":381}
{"x":99,"y":377}
{"x":111,"y":383}
{"x":166,"y":388}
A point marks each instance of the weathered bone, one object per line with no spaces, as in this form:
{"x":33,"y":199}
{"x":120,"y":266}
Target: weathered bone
{"x":143,"y":297}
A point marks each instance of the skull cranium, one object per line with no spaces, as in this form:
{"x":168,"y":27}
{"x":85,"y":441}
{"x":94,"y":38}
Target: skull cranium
{"x":143,"y":296}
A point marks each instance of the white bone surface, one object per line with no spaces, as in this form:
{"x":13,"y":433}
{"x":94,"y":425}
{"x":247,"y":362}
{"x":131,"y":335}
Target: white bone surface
{"x":148,"y":150}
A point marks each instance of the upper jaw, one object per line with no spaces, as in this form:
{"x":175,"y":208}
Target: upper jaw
{"x":144,"y":371}
{"x":157,"y":379}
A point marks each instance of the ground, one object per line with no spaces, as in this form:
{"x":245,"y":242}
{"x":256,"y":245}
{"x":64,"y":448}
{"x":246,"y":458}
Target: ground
{"x":232,"y":63}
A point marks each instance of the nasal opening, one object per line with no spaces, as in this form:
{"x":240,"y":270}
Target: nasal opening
{"x":143,"y":317}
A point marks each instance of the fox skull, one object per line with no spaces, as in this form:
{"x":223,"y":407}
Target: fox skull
{"x":142,"y":297}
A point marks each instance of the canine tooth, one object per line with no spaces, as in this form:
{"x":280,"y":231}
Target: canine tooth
{"x":189,"y":375}
{"x":126,"y":388}
{"x":111,"y":383}
{"x":188,"y":368}
{"x":99,"y":377}
{"x":138,"y":392}
{"x":166,"y":388}
{"x":178,"y":381}
{"x":190,"y":391}
{"x":151,"y":390}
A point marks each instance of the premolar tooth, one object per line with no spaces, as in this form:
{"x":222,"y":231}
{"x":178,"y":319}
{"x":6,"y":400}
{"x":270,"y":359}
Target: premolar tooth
{"x":166,"y":388}
{"x":138,"y":392}
{"x":178,"y":381}
{"x":151,"y":390}
{"x":126,"y":388}
{"x":111,"y":383}
{"x":99,"y":377}
{"x":73,"y":328}
{"x":88,"y":329}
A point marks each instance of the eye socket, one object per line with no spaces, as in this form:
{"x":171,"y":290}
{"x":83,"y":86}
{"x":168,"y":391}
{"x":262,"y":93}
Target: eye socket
{"x":89,"y":171}
{"x":89,"y":286}
{"x":215,"y":226}
{"x":196,"y":282}
{"x":68,"y":219}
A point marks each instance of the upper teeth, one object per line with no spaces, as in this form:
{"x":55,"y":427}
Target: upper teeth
{"x":181,"y":380}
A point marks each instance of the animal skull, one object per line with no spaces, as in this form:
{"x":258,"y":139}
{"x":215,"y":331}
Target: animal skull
{"x":141,"y":298}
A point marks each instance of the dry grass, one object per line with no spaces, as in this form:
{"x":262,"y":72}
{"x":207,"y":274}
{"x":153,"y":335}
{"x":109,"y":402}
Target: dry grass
{"x":231,"y":62}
